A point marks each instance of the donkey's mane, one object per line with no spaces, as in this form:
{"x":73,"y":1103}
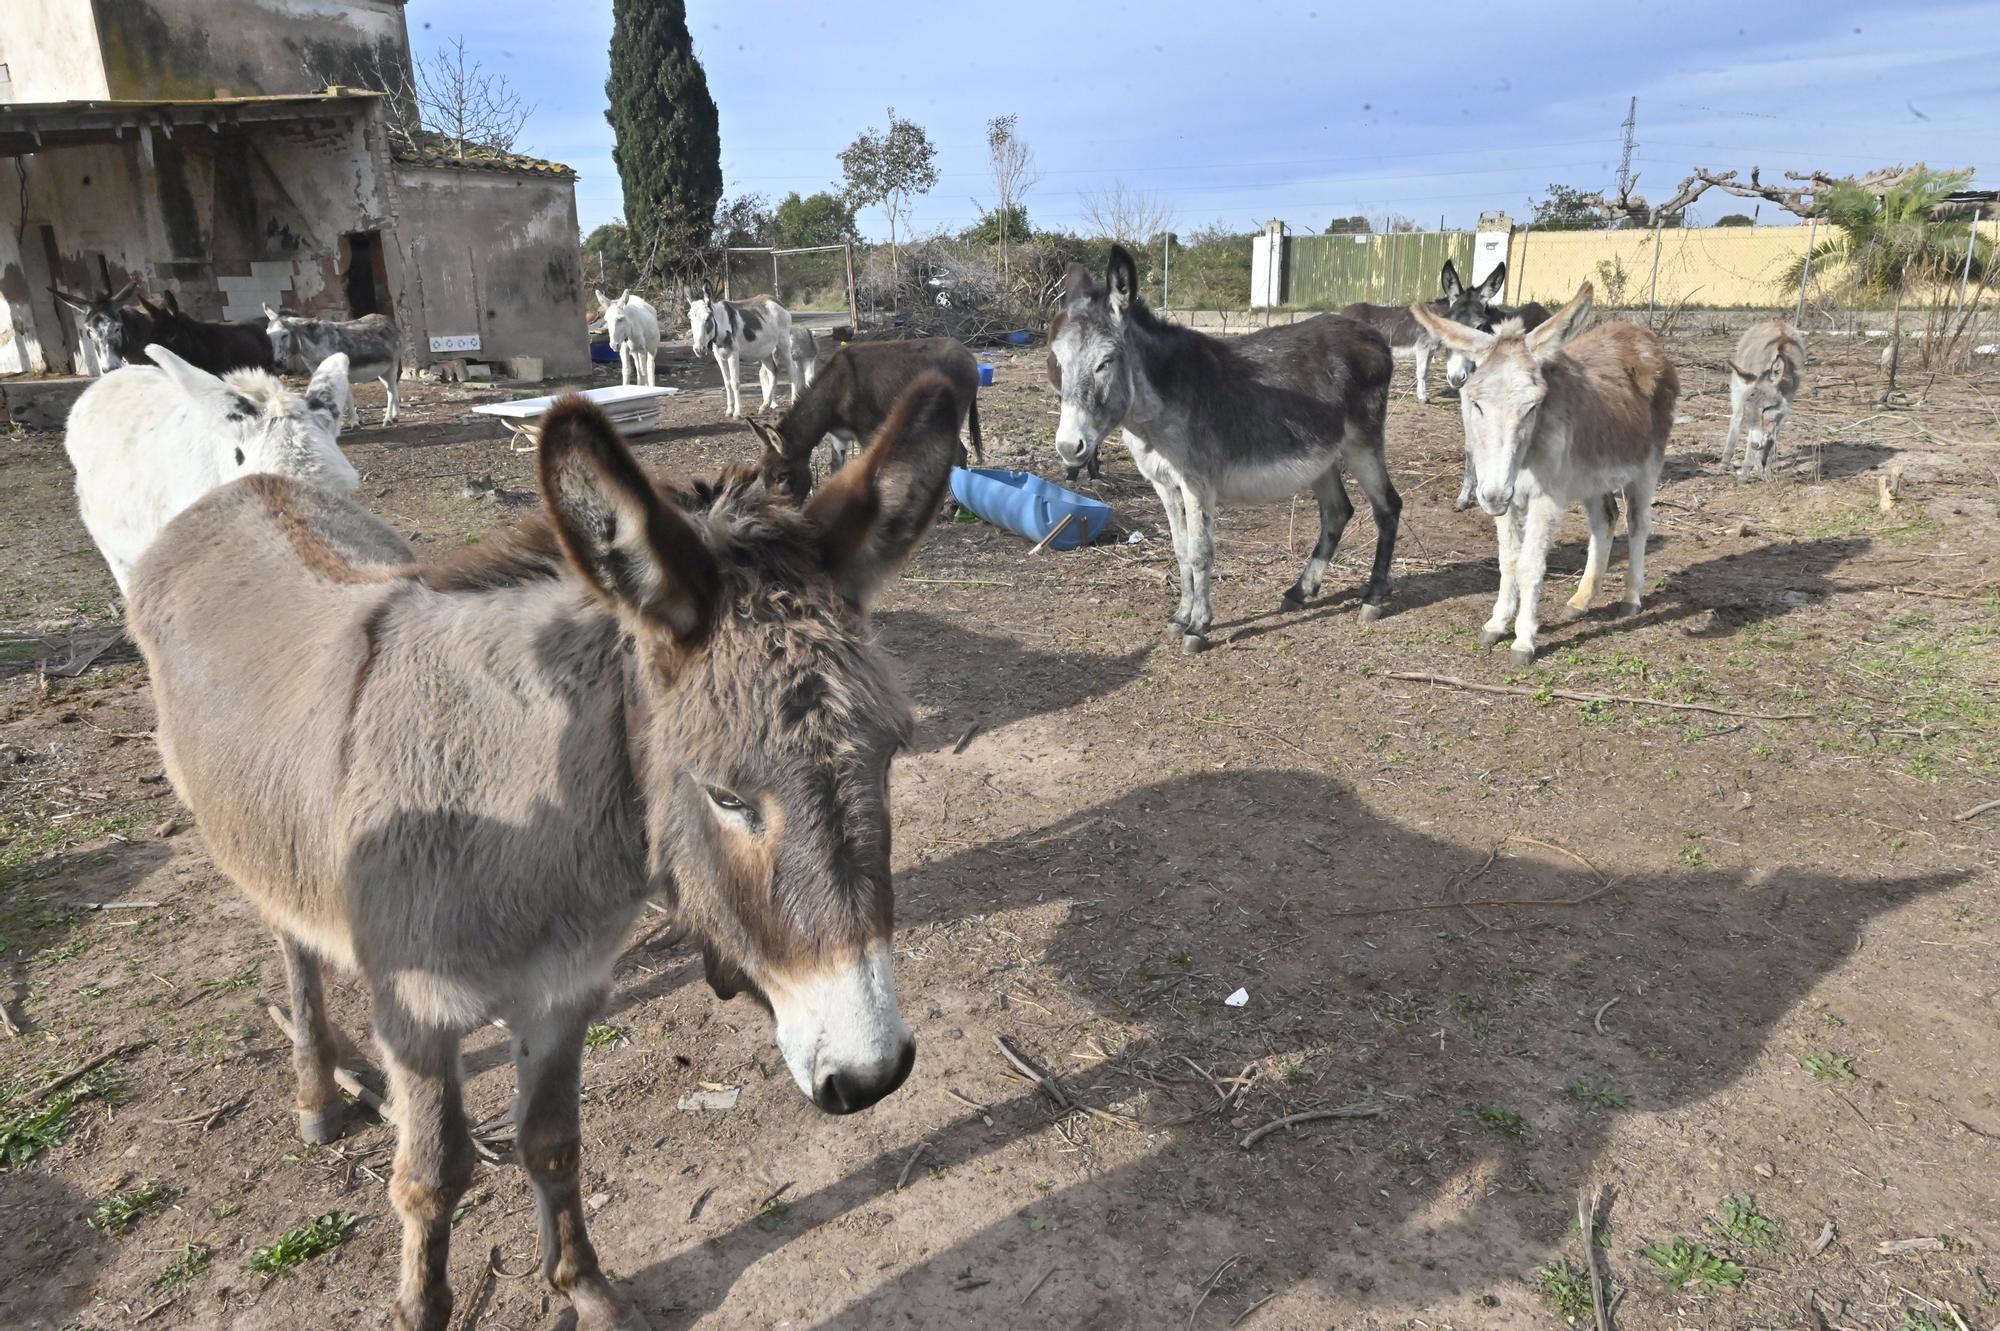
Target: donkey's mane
{"x":263,"y":390}
{"x":762,"y":546}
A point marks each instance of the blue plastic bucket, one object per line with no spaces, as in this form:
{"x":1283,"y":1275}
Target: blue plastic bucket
{"x":1029,"y":506}
{"x":1019,"y":337}
{"x":602,"y":353}
{"x":985,"y":375}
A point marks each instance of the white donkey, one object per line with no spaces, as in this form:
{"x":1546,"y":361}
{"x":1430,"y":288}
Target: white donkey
{"x":756,"y":332}
{"x":1763,"y":379}
{"x":149,"y":440}
{"x":633,"y":328}
{"x":1553,"y":417}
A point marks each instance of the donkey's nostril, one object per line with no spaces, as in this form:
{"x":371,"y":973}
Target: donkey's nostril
{"x":846,"y":1091}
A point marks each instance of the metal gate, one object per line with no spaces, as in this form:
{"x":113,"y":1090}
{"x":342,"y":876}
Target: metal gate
{"x":1327,"y":272}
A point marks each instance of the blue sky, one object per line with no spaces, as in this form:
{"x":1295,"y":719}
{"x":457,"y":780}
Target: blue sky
{"x":1301,"y":111}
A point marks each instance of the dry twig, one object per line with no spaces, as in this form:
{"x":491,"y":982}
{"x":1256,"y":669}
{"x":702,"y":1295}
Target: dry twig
{"x":1586,"y":1223}
{"x":1578,"y":695}
{"x":1360,"y":1109}
{"x":346,"y":1078}
{"x":55,"y":1084}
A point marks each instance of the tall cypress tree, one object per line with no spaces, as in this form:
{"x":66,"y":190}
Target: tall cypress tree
{"x":669,"y":145}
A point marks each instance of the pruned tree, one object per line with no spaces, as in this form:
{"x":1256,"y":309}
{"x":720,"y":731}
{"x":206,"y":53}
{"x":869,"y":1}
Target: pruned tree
{"x":1122,"y":213}
{"x":1354,"y":224}
{"x":1808,"y":195}
{"x":890,"y":169}
{"x":1014,"y":174}
{"x":667,"y":141}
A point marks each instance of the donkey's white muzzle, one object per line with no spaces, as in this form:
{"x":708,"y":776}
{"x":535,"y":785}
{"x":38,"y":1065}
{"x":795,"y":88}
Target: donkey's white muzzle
{"x":842,"y":1035}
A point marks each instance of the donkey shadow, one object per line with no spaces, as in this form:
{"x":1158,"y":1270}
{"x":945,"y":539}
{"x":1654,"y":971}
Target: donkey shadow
{"x":991,"y":679}
{"x":1736,"y":590}
{"x":1429,"y":1013}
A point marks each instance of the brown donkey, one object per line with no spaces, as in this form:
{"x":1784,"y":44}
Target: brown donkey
{"x":464,"y":779}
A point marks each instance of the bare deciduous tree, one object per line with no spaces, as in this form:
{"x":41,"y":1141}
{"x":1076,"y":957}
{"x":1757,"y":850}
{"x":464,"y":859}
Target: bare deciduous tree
{"x":1014,"y":175}
{"x":1123,"y":213}
{"x":450,"y":96}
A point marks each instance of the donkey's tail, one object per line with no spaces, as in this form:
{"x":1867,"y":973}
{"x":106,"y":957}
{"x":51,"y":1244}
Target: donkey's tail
{"x":1610,"y":502}
{"x":972,"y":423}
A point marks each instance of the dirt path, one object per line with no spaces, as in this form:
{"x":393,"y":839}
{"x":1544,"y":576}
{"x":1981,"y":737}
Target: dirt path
{"x":1764,"y":967}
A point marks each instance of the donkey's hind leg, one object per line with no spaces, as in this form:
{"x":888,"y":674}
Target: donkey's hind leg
{"x":548,"y":1070}
{"x":1335,"y":509}
{"x":434,"y":1157}
{"x":1371,"y":473}
{"x":1600,"y":510}
{"x":315,"y":1048}
{"x":1638,"y":527}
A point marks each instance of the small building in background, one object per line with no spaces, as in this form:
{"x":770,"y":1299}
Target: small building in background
{"x":227,"y":151}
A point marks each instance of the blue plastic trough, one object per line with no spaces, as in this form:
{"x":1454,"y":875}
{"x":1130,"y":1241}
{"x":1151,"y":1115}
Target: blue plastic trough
{"x":1029,"y":506}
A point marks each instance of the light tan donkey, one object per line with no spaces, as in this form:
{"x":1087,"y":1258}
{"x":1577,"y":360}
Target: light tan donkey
{"x":1553,"y":417}
{"x":464,"y":779}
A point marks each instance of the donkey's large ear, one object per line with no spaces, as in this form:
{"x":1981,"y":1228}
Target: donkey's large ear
{"x":167,"y":299}
{"x":1572,"y":319}
{"x":1455,"y":335}
{"x":873,"y":511}
{"x":1495,"y":283}
{"x":1076,"y":281}
{"x":1121,"y":277}
{"x":707,"y":292}
{"x":118,"y":296}
{"x":270,"y":314}
{"x":638,"y":552}
{"x":1453,"y":288}
{"x":190,"y":379}
{"x":80,"y":304}
{"x":773,"y":441}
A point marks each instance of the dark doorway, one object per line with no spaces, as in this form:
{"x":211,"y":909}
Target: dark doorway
{"x":367,"y":276}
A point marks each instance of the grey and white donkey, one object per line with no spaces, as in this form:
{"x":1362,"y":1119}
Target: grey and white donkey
{"x":756,"y":332}
{"x":1554,"y":417}
{"x":1251,"y":420}
{"x":1763,"y":378}
{"x":1410,"y":340}
{"x":632,"y":328}
{"x":372,"y":344}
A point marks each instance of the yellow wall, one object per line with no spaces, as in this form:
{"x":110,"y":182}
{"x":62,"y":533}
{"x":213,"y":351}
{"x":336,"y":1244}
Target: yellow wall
{"x":1704,"y":266}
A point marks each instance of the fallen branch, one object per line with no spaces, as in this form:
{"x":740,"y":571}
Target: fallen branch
{"x":1027,"y":1068}
{"x":1976,"y":810}
{"x":1361,"y":1109}
{"x":1576,"y":695}
{"x":346,"y":1078}
{"x":911,"y":1164}
{"x":50,"y":1087}
{"x":1208,"y":1286}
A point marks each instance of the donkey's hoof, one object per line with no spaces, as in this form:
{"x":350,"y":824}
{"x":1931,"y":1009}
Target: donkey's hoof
{"x":1521,"y":657}
{"x":1491,"y":637}
{"x":1626,"y":609}
{"x":1370,"y":612}
{"x":1460,"y":505}
{"x":1293,"y":599}
{"x":318,"y":1127}
{"x":1193,"y":644}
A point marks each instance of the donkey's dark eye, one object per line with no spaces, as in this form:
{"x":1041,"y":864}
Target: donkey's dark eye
{"x":728,"y":802}
{"x":239,"y":457}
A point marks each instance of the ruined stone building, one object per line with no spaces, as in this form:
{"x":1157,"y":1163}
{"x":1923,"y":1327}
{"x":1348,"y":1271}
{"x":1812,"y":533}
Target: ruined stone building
{"x":225,"y":150}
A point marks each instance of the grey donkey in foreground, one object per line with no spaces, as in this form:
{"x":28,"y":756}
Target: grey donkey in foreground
{"x":465,"y":779}
{"x":1763,"y":378}
{"x":372,"y":344}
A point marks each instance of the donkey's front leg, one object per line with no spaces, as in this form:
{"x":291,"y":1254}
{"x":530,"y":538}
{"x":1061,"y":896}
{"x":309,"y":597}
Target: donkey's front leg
{"x":724,"y":363}
{"x":767,"y":379}
{"x":1638,"y":529}
{"x":548,"y":1071}
{"x":315,"y":1048}
{"x":1506,"y":535}
{"x":1599,"y":509}
{"x":434,"y":1158}
{"x":1167,"y":485}
{"x":1735,"y":432}
{"x":1464,"y":500}
{"x":1423,"y":357}
{"x":1200,"y":542}
{"x":1538,"y":532}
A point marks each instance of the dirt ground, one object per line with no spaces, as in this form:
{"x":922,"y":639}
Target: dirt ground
{"x":1756,"y":960}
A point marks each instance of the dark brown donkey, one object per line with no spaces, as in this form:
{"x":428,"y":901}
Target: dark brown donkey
{"x":464,"y":779}
{"x":852,"y":395}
